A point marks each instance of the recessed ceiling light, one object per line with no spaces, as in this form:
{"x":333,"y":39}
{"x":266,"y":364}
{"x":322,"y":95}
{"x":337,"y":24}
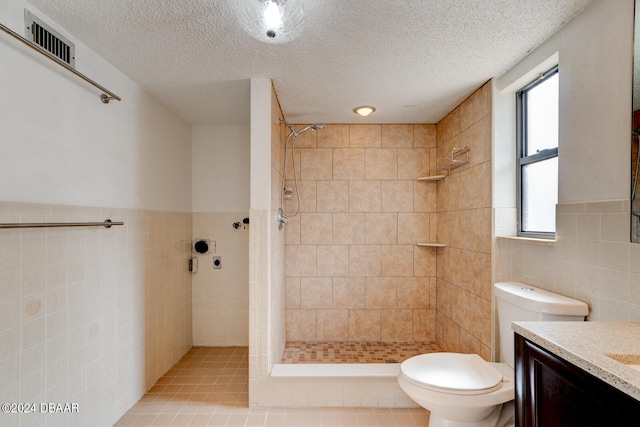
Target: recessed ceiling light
{"x":364,"y":111}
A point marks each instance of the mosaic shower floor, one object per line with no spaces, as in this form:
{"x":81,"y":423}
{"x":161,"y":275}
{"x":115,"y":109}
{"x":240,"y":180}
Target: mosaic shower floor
{"x":354,"y":352}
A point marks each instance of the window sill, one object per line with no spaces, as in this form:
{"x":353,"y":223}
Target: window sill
{"x":528,"y":239}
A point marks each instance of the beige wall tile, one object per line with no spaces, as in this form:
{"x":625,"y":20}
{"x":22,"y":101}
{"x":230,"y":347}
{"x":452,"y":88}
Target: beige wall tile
{"x":396,"y":325}
{"x":397,"y":135}
{"x":300,"y":260}
{"x":396,"y":260}
{"x":349,"y":292}
{"x":413,"y":163}
{"x":424,"y":325}
{"x":365,"y":136}
{"x":413,"y":228}
{"x":333,"y":260}
{"x":301,"y":325}
{"x":364,"y":196}
{"x":449,"y":126}
{"x":316,"y":164}
{"x":433,"y":227}
{"x":348,"y":163}
{"x":333,"y":325}
{"x":333,"y":136}
{"x":478,"y":139}
{"x":381,"y":163}
{"x":305,"y":140}
{"x":381,"y":228}
{"x":332,"y":196}
{"x":364,"y":177}
{"x":397,"y":196}
{"x":364,"y":260}
{"x":425,"y":196}
{"x":348,"y":228}
{"x":424,"y":261}
{"x":473,"y":109}
{"x":316,"y":228}
{"x":487,"y":192}
{"x":307,"y":196}
{"x":413,"y":292}
{"x":424,"y":135}
{"x":316,"y":292}
{"x":381,"y":292}
{"x":472,"y":229}
{"x":477,"y":322}
{"x":292,"y":231}
{"x":470,"y":191}
{"x":292,"y":289}
{"x":291,"y":159}
{"x":364,"y":325}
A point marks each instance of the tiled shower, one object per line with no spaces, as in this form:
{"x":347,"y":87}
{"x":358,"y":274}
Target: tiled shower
{"x":353,"y":269}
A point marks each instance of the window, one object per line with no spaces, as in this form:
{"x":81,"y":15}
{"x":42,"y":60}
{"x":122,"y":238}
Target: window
{"x":537,"y":163}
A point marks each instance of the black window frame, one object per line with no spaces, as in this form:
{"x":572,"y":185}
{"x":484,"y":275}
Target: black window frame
{"x":522,"y":160}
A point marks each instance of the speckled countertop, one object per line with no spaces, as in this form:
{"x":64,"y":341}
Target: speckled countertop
{"x":592,"y":346}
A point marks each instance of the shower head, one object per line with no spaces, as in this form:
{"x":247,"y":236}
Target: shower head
{"x":314,"y":126}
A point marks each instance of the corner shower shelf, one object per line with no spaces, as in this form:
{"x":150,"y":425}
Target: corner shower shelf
{"x":431,"y":178}
{"x":431,"y":245}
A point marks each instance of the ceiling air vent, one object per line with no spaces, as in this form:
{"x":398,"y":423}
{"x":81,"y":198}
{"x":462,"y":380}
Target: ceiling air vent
{"x":49,"y":39}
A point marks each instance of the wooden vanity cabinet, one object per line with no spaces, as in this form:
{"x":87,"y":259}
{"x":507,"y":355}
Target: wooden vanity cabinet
{"x":551,"y":392}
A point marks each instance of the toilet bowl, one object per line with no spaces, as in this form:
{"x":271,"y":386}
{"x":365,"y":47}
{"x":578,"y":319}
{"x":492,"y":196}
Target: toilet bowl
{"x":464,"y":390}
{"x":457,"y":389}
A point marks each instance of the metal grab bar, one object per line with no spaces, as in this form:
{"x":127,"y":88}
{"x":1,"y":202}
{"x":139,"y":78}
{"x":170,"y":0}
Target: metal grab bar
{"x":105,"y":97}
{"x":107,"y":223}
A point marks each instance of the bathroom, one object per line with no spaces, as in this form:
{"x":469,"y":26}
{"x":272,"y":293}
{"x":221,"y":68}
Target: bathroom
{"x":119,"y":303}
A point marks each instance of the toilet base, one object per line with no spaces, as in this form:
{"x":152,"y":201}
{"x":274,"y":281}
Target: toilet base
{"x":490,"y":421}
{"x":502,"y":416}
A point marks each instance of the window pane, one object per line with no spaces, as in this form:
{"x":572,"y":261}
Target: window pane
{"x":542,"y":116}
{"x":539,"y":196}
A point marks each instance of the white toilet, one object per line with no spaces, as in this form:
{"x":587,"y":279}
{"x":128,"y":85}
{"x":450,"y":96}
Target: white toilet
{"x":463,"y":390}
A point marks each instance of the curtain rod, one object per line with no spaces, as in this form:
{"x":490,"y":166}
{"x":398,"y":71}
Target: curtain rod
{"x":107,"y":223}
{"x":105,"y":97}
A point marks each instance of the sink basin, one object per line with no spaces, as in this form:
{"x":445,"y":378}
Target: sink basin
{"x":631,"y":360}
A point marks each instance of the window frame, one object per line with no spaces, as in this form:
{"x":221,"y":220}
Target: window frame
{"x":521,"y":159}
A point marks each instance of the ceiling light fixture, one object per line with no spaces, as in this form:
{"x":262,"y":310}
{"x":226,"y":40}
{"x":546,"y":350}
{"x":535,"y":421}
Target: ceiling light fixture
{"x":270,"y":21}
{"x":364,"y":111}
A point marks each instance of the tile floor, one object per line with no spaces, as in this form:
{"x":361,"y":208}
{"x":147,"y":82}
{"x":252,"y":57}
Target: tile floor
{"x":348,"y":352}
{"x":209,"y":387}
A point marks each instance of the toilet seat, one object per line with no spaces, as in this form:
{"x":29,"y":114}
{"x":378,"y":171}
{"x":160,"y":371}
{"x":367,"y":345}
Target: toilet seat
{"x":453,"y":373}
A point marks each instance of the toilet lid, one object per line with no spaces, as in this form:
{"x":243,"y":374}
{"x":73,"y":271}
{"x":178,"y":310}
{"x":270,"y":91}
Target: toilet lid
{"x":452,"y":373}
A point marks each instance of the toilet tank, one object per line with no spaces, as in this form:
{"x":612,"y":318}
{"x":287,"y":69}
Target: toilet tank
{"x":520,"y":302}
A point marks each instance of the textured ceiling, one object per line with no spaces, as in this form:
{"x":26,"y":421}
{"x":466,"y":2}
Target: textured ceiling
{"x":413,"y":60}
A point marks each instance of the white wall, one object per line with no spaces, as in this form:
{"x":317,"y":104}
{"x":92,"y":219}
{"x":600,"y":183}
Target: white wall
{"x":220,"y":172}
{"x":596,"y":53}
{"x":591,"y":258}
{"x":221,"y":296}
{"x":89,"y":315}
{"x":220,"y":197}
{"x":61,"y":144}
